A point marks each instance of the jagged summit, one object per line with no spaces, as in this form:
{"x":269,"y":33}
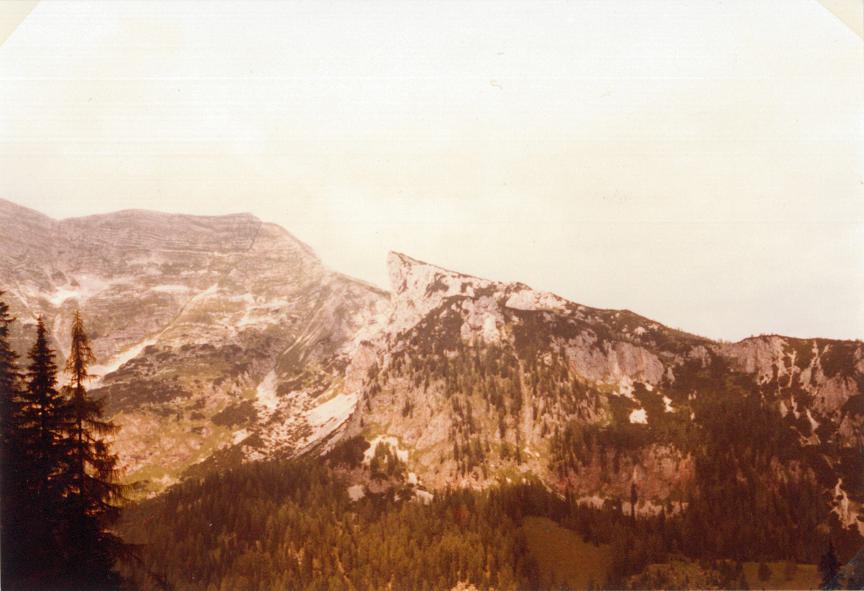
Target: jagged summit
{"x":408,"y":274}
{"x":223,"y":339}
{"x":474,"y":381}
{"x":419,"y":287}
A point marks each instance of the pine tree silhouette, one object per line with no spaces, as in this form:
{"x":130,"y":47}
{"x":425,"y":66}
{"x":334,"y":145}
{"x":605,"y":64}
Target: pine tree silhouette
{"x":42,"y":430}
{"x":10,"y":377}
{"x":43,"y":412}
{"x":13,"y":494}
{"x":59,"y":488}
{"x":93,"y":493}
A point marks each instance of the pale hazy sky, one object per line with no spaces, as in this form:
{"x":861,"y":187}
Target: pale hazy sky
{"x":697,"y":162}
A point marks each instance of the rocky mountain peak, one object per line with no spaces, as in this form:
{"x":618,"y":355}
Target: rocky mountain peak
{"x":230,"y":326}
{"x":223,"y":338}
{"x":474,"y":380}
{"x":418,"y":288}
{"x":409,"y":276}
{"x":413,"y":281}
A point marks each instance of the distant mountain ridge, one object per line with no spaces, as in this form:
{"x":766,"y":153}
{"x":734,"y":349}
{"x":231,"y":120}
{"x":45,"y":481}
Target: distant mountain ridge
{"x":200,"y":326}
{"x":224,"y":339}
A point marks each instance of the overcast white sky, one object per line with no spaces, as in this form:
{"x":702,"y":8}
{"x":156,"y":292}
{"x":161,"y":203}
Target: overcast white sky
{"x":696,"y":162}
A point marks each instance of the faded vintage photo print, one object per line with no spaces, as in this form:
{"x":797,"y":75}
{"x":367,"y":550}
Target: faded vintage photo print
{"x":431,"y":295}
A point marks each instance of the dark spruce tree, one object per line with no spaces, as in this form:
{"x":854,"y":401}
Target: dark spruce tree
{"x":13,"y":494}
{"x":10,"y":377}
{"x":41,"y":429}
{"x":93,"y":493}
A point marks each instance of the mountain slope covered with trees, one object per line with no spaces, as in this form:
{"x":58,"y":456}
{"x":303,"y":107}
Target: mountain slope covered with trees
{"x":261,"y":422}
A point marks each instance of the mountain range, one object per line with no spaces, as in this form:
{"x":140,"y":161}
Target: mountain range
{"x":225,"y":340}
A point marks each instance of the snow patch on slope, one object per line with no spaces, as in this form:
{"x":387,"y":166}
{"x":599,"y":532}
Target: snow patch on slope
{"x":393,"y":442}
{"x":100,"y":371}
{"x":265,"y":393}
{"x":814,"y":424}
{"x":356,"y":492}
{"x":328,"y":416}
{"x":667,"y":404}
{"x":84,"y":287}
{"x":339,"y":408}
{"x":639,"y":415}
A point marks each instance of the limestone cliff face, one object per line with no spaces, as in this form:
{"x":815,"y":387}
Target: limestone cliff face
{"x":829,"y":371}
{"x":224,"y":339}
{"x":214,"y":336}
{"x":473,"y":376}
{"x":475,"y":381}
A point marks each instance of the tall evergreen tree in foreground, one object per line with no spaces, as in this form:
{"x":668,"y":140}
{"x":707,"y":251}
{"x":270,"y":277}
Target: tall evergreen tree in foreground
{"x":93,"y":492}
{"x":32,"y":428}
{"x":42,"y":429}
{"x":10,"y":378}
{"x":12,"y":490}
{"x":59,"y":490}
